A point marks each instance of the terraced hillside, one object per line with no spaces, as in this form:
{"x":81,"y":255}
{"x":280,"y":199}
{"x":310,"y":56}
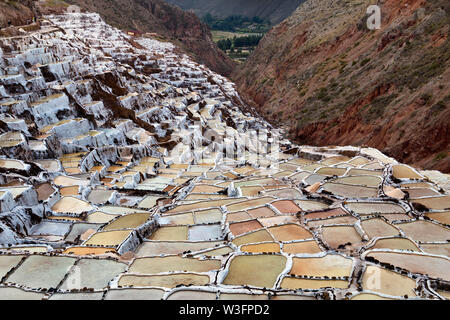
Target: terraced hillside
{"x":128,"y":171}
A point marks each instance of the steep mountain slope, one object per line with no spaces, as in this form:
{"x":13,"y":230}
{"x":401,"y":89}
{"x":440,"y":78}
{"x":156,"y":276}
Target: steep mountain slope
{"x":274,"y":10}
{"x":181,"y":27}
{"x":17,"y":13}
{"x":330,"y":80}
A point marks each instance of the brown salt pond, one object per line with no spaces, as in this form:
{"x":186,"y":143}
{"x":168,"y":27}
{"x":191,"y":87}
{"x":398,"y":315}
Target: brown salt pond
{"x":304,"y":247}
{"x":311,"y":205}
{"x":44,"y":191}
{"x":435,"y":203}
{"x":343,"y":220}
{"x":369,"y":296}
{"x":365,"y":208}
{"x":286,"y":206}
{"x":165,"y":281}
{"x":278,"y":220}
{"x":425,"y":231}
{"x":314,"y":284}
{"x":405,"y":172}
{"x":289,"y":193}
{"x":252,"y":191}
{"x":420,"y":192}
{"x":433,"y":266}
{"x":64,"y":181}
{"x":336,"y":236}
{"x":395,"y":244}
{"x":129,"y":221}
{"x":330,"y":171}
{"x":290,"y":232}
{"x":170,"y":234}
{"x":99,"y":196}
{"x":177,"y":219}
{"x":327,"y":266}
{"x":85,"y":251}
{"x":238,"y":216}
{"x":200,"y":205}
{"x":325,"y":214}
{"x":242,"y":205}
{"x":71,"y":205}
{"x":69,"y":191}
{"x":442,"y":249}
{"x":387,"y":282}
{"x":261,"y":247}
{"x":154,"y":248}
{"x":366,"y":181}
{"x":378,"y":228}
{"x":192,"y":295}
{"x":362,"y":172}
{"x":261,"y":212}
{"x":100,"y":217}
{"x":208,"y":216}
{"x":442,"y":217}
{"x":239,"y":228}
{"x":258,"y":236}
{"x":246,"y":270}
{"x":349,"y":191}
{"x":175,"y":263}
{"x":108,"y":238}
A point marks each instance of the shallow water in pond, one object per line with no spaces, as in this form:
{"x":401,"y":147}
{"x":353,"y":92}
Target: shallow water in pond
{"x":328,"y":266}
{"x":100,"y":217}
{"x":404,"y":172}
{"x":242,"y":205}
{"x":166,"y":281}
{"x":176,"y":263}
{"x":71,"y":205}
{"x":170,"y":234}
{"x":246,"y":270}
{"x":335,"y":236}
{"x":131,"y":221}
{"x":387,"y":282}
{"x":309,"y":247}
{"x":436,"y":267}
{"x":349,"y":191}
{"x":109,"y":238}
{"x":395,"y":243}
{"x":367,"y":181}
{"x":290,"y":232}
{"x":425,"y":231}
{"x":150,"y":248}
{"x":378,"y":228}
{"x":261,"y":247}
{"x":258,"y":236}
{"x":294,"y":283}
{"x":435,"y":203}
{"x":374,"y":207}
{"x":177,"y":219}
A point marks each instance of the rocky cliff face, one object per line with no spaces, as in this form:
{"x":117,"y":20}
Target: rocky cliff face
{"x":171,"y":22}
{"x":330,"y":80}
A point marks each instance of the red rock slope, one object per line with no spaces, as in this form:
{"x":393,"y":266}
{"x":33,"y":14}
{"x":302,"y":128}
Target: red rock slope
{"x":331,"y":81}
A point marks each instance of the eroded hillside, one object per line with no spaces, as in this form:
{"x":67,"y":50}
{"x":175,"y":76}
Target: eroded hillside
{"x":330,"y":80}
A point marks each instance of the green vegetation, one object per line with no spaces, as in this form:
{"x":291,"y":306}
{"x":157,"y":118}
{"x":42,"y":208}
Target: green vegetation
{"x":440,"y":156}
{"x":239,"y":42}
{"x":237,"y":24}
